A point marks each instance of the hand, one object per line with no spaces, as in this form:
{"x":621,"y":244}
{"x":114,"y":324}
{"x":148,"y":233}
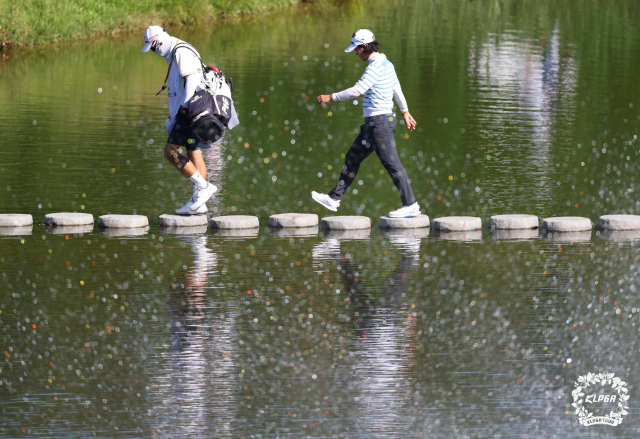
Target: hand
{"x":409,"y":121}
{"x":323,"y":99}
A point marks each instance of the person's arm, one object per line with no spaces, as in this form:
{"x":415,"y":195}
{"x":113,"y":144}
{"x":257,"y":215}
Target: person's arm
{"x":404,"y":108}
{"x":190,"y":83}
{"x":364,"y":84}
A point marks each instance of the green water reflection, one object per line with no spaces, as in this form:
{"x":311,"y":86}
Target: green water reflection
{"x":522,"y":107}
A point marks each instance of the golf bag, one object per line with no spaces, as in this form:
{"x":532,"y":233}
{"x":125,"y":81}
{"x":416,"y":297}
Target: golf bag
{"x":209,"y":109}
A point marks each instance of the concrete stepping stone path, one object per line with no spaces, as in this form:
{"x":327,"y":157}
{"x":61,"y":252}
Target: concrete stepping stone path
{"x":234,"y":222}
{"x":619,"y":222}
{"x":68,"y":219}
{"x":123,"y":221}
{"x":513,"y":222}
{"x":346,"y":222}
{"x":457,"y":224}
{"x":290,"y":220}
{"x":172,"y":220}
{"x":15,"y":220}
{"x":416,"y":222}
{"x":566,"y":224}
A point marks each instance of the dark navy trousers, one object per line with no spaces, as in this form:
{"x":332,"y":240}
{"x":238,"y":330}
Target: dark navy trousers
{"x":375,"y":135}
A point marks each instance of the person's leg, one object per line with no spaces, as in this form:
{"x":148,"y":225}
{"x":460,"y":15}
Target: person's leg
{"x":181,"y":163}
{"x":360,"y":150}
{"x":195,"y":157}
{"x":387,"y":152}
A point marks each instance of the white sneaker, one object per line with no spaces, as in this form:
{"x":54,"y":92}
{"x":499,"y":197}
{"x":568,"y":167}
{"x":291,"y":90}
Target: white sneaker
{"x":186,"y":209}
{"x":200,"y":196}
{"x":406,"y":211}
{"x":326,"y":201}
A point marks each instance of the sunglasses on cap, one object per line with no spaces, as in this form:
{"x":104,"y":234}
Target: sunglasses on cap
{"x":154,"y":45}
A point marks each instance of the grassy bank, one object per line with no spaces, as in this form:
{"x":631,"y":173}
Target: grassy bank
{"x":42,"y":21}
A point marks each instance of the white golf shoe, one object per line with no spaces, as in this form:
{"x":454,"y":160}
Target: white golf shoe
{"x":200,"y":196}
{"x":186,"y":209}
{"x":326,"y":201}
{"x":406,"y":211}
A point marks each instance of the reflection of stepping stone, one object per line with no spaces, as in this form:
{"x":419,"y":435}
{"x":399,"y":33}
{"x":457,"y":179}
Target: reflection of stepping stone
{"x":124,"y":232}
{"x":514,"y":234}
{"x":513,"y":222}
{"x":294,"y":232}
{"x":123,"y":221}
{"x":172,"y":220}
{"x":237,"y":233}
{"x":15,"y":220}
{"x":362,"y":234}
{"x":69,"y":230}
{"x":457,"y":223}
{"x":619,"y":222}
{"x":346,"y":222}
{"x":620,"y":235}
{"x":195,"y":230}
{"x":471,"y":235}
{"x":234,"y":222}
{"x":284,"y":220}
{"x":582,"y":236}
{"x":566,"y":224}
{"x":416,"y":222}
{"x":422,"y":232}
{"x":68,"y":219}
{"x":16,"y":231}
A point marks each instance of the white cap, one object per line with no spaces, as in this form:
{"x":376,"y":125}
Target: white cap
{"x":151,"y":34}
{"x":363,"y":36}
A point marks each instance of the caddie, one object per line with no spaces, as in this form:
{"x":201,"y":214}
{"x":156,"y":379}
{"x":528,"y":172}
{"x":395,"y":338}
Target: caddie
{"x":183,"y":77}
{"x":379,"y":84}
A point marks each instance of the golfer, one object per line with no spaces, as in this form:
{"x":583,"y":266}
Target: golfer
{"x":184,"y":75}
{"x":379,"y":84}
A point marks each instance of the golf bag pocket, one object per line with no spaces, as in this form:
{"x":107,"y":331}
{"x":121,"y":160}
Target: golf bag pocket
{"x":206,"y":122}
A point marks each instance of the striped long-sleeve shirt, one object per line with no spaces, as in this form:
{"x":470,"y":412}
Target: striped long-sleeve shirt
{"x":379,"y":84}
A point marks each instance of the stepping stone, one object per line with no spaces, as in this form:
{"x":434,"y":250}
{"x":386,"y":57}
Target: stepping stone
{"x":193,"y":230}
{"x":16,"y":231}
{"x":471,"y":235}
{"x":346,"y":222}
{"x":293,"y":232}
{"x":416,"y":222}
{"x":513,"y":222}
{"x":283,"y":220}
{"x":457,"y":223}
{"x":123,"y":221}
{"x":361,"y":234}
{"x":69,"y":230}
{"x":514,"y":234}
{"x":234,"y":222}
{"x":172,"y":220}
{"x":582,"y":236}
{"x":619,"y":222}
{"x":620,"y":235}
{"x":68,"y":219}
{"x":15,"y":220}
{"x":566,"y":224}
{"x":124,"y":232}
{"x":405,"y":233}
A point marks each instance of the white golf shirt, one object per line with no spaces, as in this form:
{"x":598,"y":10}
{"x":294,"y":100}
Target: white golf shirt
{"x":185,"y":63}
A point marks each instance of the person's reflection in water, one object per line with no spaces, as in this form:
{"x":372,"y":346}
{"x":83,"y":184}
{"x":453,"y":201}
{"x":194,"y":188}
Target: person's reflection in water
{"x":384,"y":343}
{"x":196,"y":390}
